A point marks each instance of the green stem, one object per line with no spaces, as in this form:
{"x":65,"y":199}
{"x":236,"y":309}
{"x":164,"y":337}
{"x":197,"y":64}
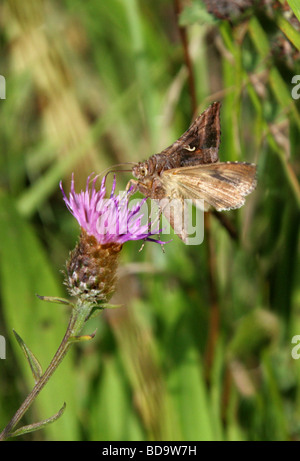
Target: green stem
{"x":80,"y":314}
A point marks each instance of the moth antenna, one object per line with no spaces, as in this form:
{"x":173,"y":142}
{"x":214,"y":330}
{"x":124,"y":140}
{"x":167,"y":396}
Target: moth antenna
{"x":112,"y":169}
{"x":118,"y":171}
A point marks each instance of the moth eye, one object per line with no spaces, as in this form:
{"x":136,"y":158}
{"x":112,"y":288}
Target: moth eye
{"x":143,"y":171}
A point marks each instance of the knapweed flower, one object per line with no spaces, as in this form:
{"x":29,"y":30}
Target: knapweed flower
{"x":106,"y":224}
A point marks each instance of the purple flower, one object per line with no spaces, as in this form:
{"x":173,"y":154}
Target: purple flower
{"x":108,"y":220}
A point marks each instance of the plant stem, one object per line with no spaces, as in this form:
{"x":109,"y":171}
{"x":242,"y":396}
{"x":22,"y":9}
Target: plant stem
{"x":187,"y":59}
{"x":78,"y":318}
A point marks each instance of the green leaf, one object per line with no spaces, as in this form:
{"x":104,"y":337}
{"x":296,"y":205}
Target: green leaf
{"x":288,"y":30}
{"x":113,"y":417}
{"x":190,"y":396}
{"x":40,"y":425}
{"x":277,"y":83}
{"x":98,"y":309}
{"x":295,"y":5}
{"x":196,"y":13}
{"x":34,"y":364}
{"x":82,"y":338}
{"x":255,"y":332}
{"x":55,"y":300}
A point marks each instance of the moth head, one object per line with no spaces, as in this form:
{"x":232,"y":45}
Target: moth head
{"x":141,"y":170}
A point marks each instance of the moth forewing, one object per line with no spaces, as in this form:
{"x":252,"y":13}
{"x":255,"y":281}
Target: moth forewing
{"x":223,"y":186}
{"x":201,"y":141}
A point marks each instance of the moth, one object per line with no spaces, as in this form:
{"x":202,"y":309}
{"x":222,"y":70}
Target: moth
{"x":190,"y":169}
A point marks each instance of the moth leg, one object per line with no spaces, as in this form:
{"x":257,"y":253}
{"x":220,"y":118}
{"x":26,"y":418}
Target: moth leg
{"x":142,"y":247}
{"x":134,"y":186}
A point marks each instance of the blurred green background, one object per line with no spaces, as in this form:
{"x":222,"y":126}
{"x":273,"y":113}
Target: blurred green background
{"x":202,"y":349}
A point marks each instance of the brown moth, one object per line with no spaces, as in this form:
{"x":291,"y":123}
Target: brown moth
{"x":190,"y":169}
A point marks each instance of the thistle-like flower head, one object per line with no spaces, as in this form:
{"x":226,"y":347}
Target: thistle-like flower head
{"x":106,"y":224}
{"x":109,"y":220}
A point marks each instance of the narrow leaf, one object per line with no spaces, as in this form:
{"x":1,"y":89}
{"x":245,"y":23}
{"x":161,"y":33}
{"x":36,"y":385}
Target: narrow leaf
{"x":32,"y":360}
{"x":294,"y":4}
{"x":98,"y":309}
{"x":288,"y":30}
{"x":82,"y":337}
{"x":53,"y":299}
{"x":112,"y":306}
{"x":196,"y":13}
{"x":40,"y":425}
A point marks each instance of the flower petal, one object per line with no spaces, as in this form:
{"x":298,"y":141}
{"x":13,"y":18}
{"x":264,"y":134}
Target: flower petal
{"x":108,"y":220}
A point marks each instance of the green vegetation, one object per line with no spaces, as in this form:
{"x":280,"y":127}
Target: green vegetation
{"x":202,"y":348}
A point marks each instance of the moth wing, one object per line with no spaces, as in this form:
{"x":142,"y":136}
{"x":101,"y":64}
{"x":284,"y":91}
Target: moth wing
{"x":201,"y":141}
{"x":223,"y":186}
{"x":173,"y":213}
